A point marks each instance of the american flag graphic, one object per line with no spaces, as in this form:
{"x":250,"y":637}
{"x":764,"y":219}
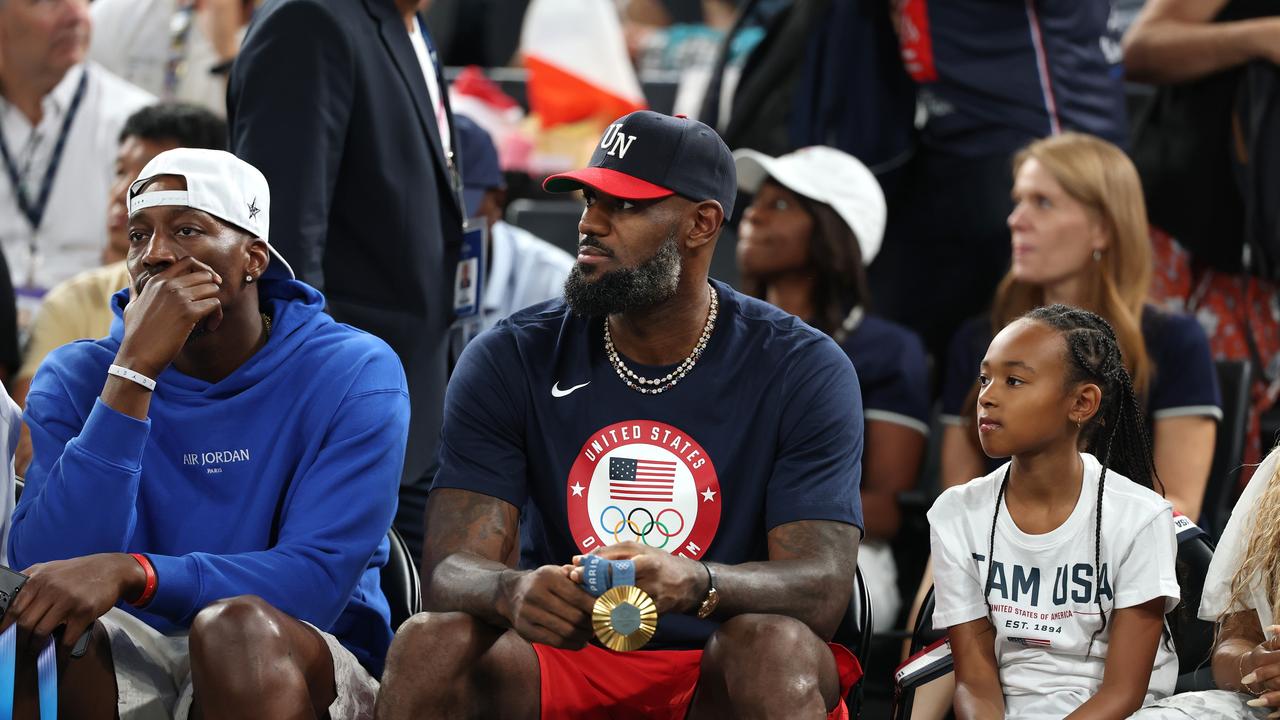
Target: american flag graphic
{"x":1031,"y":642}
{"x":640,"y":480}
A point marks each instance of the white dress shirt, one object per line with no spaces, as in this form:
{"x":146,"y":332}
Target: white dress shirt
{"x":73,"y":230}
{"x":136,"y":39}
{"x":419,"y":42}
{"x":524,"y":271}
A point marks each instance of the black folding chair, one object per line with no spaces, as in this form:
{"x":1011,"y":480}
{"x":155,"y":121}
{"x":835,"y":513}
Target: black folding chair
{"x":855,"y":633}
{"x":400,"y":582}
{"x":1234,"y":379}
{"x":1192,"y":637}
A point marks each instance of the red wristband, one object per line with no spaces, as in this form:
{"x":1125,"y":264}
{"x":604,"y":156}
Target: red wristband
{"x":149,"y":589}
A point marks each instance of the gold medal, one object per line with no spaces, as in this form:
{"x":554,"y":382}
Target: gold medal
{"x":624,"y":618}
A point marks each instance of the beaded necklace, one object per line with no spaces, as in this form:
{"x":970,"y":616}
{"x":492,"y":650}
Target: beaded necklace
{"x":651,"y":386}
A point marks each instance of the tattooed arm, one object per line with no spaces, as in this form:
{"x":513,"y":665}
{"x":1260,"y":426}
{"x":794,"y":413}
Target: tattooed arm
{"x":808,"y":576}
{"x":469,"y":536}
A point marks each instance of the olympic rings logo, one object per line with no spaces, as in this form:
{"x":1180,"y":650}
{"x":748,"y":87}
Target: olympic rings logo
{"x":642,"y":532}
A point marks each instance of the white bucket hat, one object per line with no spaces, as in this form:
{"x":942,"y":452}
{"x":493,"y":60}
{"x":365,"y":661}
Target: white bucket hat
{"x":825,"y":175}
{"x":220,"y":184}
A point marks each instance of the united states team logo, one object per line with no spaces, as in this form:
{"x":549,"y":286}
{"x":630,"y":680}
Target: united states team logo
{"x":1031,"y":642}
{"x":647,"y":482}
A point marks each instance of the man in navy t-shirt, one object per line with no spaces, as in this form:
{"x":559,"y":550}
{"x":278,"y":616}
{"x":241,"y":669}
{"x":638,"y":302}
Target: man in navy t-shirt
{"x":651,"y":416}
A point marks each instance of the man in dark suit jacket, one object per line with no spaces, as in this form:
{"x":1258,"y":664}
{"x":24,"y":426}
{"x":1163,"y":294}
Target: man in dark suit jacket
{"x":330,"y":100}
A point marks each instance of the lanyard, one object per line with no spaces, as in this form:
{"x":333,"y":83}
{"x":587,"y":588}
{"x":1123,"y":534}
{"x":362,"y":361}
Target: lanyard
{"x":175,"y":68}
{"x":46,"y":671}
{"x":35,"y":211}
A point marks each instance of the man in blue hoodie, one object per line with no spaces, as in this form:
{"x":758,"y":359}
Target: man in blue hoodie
{"x":212,"y":483}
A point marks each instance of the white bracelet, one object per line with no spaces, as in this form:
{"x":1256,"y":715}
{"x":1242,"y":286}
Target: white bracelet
{"x":137,"y":377}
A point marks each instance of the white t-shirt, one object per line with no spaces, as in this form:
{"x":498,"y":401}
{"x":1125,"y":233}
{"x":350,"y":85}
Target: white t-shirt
{"x":1042,"y":590}
{"x":1229,"y":554}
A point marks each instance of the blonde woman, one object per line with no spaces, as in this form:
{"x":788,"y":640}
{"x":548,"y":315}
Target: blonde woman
{"x":1079,"y":236}
{"x":1241,"y":592}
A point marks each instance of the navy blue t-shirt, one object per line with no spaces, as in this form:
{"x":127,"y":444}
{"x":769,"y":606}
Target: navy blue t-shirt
{"x":996,"y":74}
{"x":892,"y":372}
{"x":766,"y":429}
{"x":1184,"y":382}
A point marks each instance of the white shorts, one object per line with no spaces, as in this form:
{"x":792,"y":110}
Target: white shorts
{"x":153,"y":673}
{"x":1203,"y":705}
{"x":880,"y":574}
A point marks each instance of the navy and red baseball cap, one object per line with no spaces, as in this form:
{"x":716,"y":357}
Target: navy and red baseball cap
{"x":646,"y":155}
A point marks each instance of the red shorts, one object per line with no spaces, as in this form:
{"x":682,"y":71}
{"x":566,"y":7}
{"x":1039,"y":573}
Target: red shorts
{"x":651,"y":684}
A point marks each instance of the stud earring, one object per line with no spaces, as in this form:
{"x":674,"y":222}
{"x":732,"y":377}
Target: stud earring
{"x":1097,"y":255}
{"x":248,"y":278}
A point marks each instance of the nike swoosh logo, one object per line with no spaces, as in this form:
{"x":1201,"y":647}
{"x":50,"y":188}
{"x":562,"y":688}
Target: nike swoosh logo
{"x":557,"y":392}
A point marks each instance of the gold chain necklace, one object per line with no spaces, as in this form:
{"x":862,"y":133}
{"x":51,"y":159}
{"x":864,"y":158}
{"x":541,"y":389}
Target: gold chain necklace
{"x":653,"y":387}
{"x":266,"y":323}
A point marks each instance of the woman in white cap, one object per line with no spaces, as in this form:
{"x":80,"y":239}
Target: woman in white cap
{"x":815,"y":222}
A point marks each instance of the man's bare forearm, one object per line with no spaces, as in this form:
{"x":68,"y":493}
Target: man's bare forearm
{"x":809,"y":576}
{"x":471,"y":584}
{"x":469,"y":535}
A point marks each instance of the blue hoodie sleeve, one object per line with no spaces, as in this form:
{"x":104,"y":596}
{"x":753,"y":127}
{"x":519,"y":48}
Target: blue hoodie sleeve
{"x":334,"y":517}
{"x":84,"y":474}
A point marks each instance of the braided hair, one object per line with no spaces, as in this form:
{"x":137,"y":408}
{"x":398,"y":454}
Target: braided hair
{"x":1116,"y":434}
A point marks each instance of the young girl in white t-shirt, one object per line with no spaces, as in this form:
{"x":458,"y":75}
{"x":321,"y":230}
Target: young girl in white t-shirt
{"x":1053,"y":574}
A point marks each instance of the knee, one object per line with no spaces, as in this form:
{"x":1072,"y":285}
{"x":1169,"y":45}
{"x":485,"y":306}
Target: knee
{"x":759,"y":638}
{"x":431,"y":665}
{"x":439,"y":629}
{"x":228,"y":627}
{"x":448,"y":642}
{"x":764,"y":654}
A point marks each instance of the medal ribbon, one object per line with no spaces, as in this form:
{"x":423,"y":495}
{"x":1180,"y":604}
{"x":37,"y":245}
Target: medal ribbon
{"x":624,"y":573}
{"x":179,"y":32}
{"x":46,"y":672}
{"x":600,"y":574}
{"x":35,"y":211}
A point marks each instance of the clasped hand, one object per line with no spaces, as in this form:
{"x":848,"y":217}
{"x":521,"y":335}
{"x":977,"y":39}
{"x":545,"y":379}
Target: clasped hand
{"x":550,"y":606}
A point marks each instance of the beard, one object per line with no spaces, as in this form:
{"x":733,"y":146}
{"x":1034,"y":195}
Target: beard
{"x":625,"y":290}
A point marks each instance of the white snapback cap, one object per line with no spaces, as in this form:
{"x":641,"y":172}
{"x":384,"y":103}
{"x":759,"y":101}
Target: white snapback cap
{"x":218,"y":183}
{"x":829,"y":176}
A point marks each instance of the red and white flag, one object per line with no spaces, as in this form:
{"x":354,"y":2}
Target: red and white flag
{"x":577,"y":60}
